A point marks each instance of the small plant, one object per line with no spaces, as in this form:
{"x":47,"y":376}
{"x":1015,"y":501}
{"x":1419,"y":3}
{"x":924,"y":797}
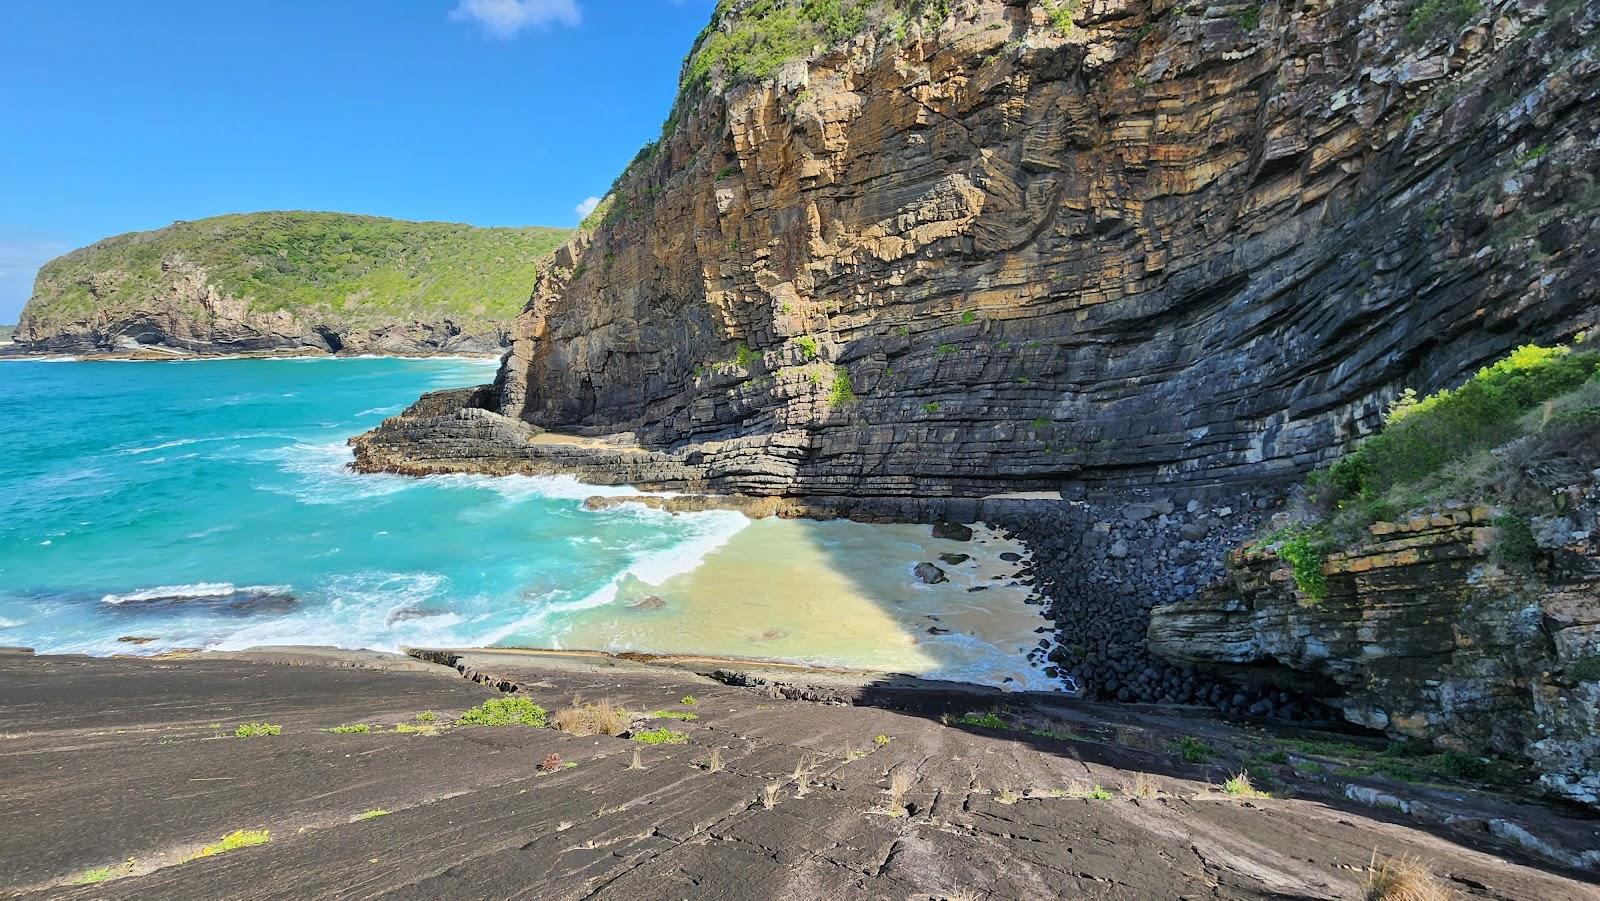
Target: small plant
{"x":1514,"y":544}
{"x":662,"y":736}
{"x":601,"y":718}
{"x":769,"y":795}
{"x":550,"y":763}
{"x":1098,"y":794}
{"x":371,"y":814}
{"x":726,"y":171}
{"x":513,"y":711}
{"x":841,"y":392}
{"x":636,"y":762}
{"x":714,"y":762}
{"x":931,"y":406}
{"x":89,"y":877}
{"x":685,"y":715}
{"x":808,"y":347}
{"x":427,"y":716}
{"x":1240,"y":786}
{"x":233,"y":841}
{"x":1039,"y":423}
{"x":416,"y":729}
{"x":945,"y":349}
{"x":1192,"y":749}
{"x":744,"y":356}
{"x":1402,"y":878}
{"x":968,"y":317}
{"x":1586,"y":669}
{"x":1007,"y":796}
{"x":899,"y":784}
{"x":881,"y":740}
{"x":989,"y":720}
{"x":688,"y":700}
{"x":852,"y":752}
{"x":1306,"y":550}
{"x":256,"y":730}
{"x":351,"y":729}
{"x":1144,"y":786}
{"x":1060,"y":12}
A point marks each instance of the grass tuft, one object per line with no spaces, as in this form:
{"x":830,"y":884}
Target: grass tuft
{"x":351,"y":729}
{"x":683,"y":715}
{"x":372,"y":814}
{"x":601,"y":718}
{"x":1402,"y":878}
{"x":662,"y":736}
{"x":256,"y":730}
{"x":233,"y":841}
{"x":1192,"y":749}
{"x":1240,"y":786}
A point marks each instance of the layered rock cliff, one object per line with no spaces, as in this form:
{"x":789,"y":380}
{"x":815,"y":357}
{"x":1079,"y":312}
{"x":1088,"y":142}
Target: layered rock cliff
{"x":286,"y":283}
{"x":1030,"y":245}
{"x":1428,"y":636}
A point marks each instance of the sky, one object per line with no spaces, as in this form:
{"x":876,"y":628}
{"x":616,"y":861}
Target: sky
{"x":120,"y":116}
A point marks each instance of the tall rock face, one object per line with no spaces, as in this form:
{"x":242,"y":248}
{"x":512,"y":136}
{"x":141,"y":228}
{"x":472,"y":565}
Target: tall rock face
{"x":1425,"y":634}
{"x":1035,"y":245}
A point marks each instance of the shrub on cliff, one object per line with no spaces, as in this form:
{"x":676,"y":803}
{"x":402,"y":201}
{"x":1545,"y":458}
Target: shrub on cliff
{"x":752,"y":43}
{"x":1422,"y":437}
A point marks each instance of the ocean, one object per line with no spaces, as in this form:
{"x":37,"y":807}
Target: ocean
{"x":158,"y":506}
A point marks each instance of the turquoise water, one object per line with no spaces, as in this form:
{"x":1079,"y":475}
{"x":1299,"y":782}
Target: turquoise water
{"x":207,"y":505}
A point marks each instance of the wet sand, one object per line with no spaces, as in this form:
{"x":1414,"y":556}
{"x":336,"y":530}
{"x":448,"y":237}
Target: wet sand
{"x":836,"y":593}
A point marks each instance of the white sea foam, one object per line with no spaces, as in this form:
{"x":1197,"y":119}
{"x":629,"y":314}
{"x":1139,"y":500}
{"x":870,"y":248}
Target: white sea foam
{"x":711,"y":531}
{"x":195,"y":590}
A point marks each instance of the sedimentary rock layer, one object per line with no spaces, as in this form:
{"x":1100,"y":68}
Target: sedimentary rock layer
{"x":1166,"y":243}
{"x":1425,"y":634}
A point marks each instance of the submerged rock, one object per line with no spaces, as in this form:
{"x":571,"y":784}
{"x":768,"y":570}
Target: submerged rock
{"x":952,"y":531}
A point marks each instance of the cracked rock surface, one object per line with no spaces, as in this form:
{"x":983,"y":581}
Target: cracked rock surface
{"x":116,"y":763}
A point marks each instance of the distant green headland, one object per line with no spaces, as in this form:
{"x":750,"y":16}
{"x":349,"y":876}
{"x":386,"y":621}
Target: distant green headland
{"x":288,"y":281}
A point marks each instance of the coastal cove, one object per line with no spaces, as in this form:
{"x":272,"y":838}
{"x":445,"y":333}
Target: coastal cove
{"x":162,"y":506}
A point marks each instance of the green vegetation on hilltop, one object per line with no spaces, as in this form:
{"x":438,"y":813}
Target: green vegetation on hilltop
{"x":350,"y":268}
{"x":751,"y":41}
{"x":1472,"y":444}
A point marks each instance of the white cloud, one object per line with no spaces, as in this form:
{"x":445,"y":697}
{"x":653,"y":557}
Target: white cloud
{"x":505,"y":19}
{"x":587,"y":207}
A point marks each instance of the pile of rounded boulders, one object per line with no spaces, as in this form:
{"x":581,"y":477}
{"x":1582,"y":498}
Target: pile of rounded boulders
{"x":1103,"y":564}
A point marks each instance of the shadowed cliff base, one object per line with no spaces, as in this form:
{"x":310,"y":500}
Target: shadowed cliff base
{"x":761,"y":797}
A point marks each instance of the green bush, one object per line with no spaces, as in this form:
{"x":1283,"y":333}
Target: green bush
{"x":842,"y":391}
{"x":1514,"y":543}
{"x":808,"y":347}
{"x":1306,"y":549}
{"x":1586,"y":669}
{"x":1422,"y":436}
{"x":256,"y":730}
{"x":513,"y":711}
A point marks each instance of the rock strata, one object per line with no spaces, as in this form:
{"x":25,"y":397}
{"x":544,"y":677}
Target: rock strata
{"x":1169,"y":244}
{"x":1425,"y":633}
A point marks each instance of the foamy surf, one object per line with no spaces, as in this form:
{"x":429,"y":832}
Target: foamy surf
{"x":195,"y":591}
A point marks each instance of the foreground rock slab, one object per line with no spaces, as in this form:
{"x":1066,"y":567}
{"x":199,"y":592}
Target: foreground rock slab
{"x":130,"y":765}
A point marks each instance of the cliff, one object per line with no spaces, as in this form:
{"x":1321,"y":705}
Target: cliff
{"x":1027,"y":246}
{"x":291,"y":282}
{"x":1470,"y":622}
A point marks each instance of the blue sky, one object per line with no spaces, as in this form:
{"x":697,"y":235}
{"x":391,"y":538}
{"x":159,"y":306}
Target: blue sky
{"x":119,"y":116}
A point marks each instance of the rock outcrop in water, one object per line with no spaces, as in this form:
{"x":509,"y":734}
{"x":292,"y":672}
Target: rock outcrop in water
{"x":286,"y":283}
{"x":1164,"y":244}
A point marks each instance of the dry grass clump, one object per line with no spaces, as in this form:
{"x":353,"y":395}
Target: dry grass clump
{"x":636,"y":763}
{"x":600,"y":718}
{"x":769,"y":795}
{"x":899,"y":784}
{"x":714,"y":762}
{"x":1402,"y":878}
{"x":1144,"y":786}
